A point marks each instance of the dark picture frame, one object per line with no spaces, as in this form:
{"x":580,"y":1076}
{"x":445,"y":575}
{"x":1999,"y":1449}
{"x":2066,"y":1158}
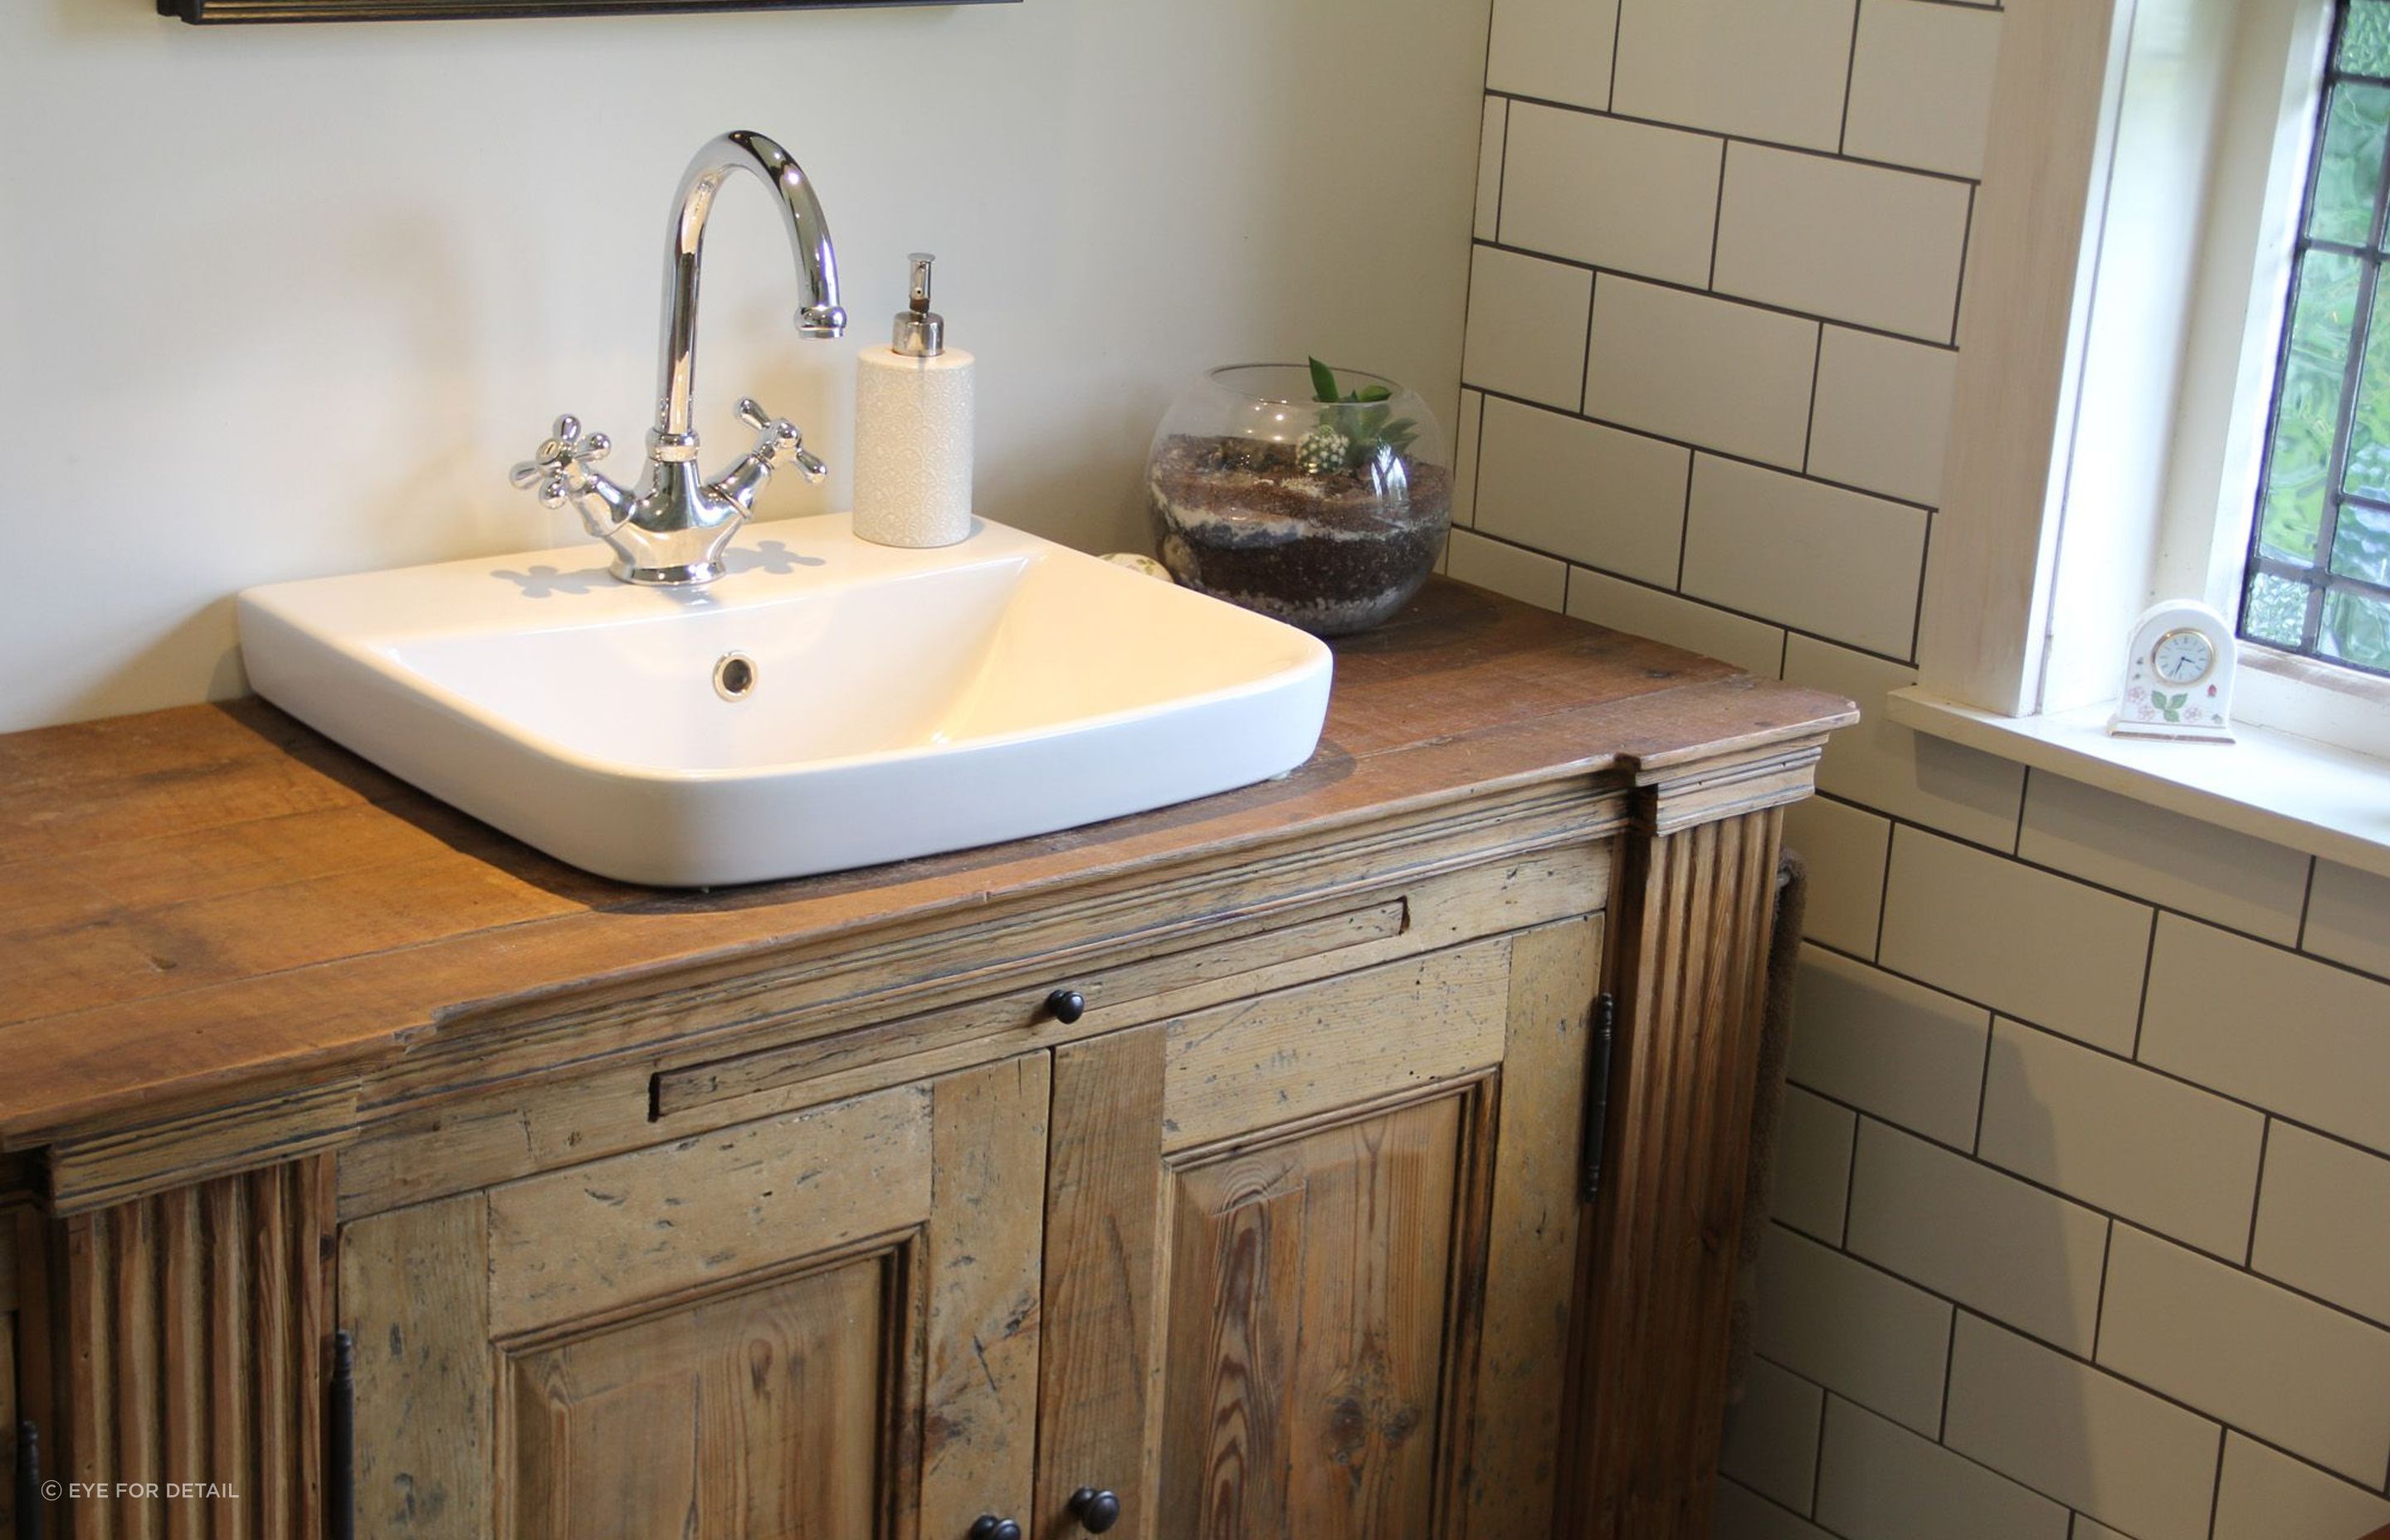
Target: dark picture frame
{"x":211,"y":12}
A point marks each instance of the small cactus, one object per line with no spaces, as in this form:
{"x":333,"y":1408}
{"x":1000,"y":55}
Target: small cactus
{"x":1323,"y":451}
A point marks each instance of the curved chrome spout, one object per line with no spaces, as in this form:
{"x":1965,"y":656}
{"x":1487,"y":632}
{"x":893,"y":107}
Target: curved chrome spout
{"x":672,"y":527}
{"x":809,"y":241}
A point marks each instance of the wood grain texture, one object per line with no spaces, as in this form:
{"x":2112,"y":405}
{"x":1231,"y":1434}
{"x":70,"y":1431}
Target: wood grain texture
{"x":1529,"y":1310}
{"x":706,"y":1208}
{"x":978,"y":1438}
{"x":515,"y":1128}
{"x":1305,"y":1375}
{"x":414,"y":1299}
{"x":206,"y":906}
{"x":1386,"y":1030}
{"x":1647,"y":1383}
{"x":746,"y":1414}
{"x":196,"y":1325}
{"x":1098,"y":1411}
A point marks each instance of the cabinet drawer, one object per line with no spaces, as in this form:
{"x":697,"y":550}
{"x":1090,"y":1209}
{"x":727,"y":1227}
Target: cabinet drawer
{"x":1124,"y":988}
{"x":846,"y":1050}
{"x":1109,"y":993}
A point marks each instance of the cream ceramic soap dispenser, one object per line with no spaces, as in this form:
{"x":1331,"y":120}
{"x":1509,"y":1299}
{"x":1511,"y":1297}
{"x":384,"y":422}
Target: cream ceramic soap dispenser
{"x":913,"y":430}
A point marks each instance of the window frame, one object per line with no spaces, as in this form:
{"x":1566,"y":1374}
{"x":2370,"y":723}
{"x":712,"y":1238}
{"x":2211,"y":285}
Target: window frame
{"x":2316,"y":576}
{"x":2037,"y":568}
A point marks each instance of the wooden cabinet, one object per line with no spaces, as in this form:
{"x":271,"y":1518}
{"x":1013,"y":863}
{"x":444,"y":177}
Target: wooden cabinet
{"x":1304,"y":1253}
{"x":818,"y":1326}
{"x":805,"y":1211}
{"x":1297,"y":1263}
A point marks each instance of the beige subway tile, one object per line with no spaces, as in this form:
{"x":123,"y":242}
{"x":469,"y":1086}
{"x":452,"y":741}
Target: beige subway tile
{"x":1767,"y":69}
{"x":2349,"y":917}
{"x":2186,"y":864}
{"x":1978,"y":1236}
{"x":2154,"y":1151}
{"x":2324,"y":1220}
{"x":1845,"y":848}
{"x":1523,"y":575}
{"x":1464,"y":456}
{"x":1492,"y":126}
{"x":1882,"y":415}
{"x":2302,"y":1037}
{"x":1922,"y":86}
{"x":1888,"y":1046}
{"x":1556,"y":49}
{"x":1613,"y":193}
{"x":2054,"y":952}
{"x":1857,"y":1331}
{"x":1751,"y":646}
{"x":1835,"y":563}
{"x":1865,"y":244}
{"x":2092,"y":1529}
{"x":1526,"y":326}
{"x":2257,"y":1356}
{"x":1877,"y":1481}
{"x":2089,"y":1438}
{"x":1579,"y":490}
{"x":1888,"y":768}
{"x":1708,"y":371}
{"x":1813,"y":1165}
{"x":2268,"y":1495}
{"x":1742,"y":1514}
{"x":1771,"y":1437}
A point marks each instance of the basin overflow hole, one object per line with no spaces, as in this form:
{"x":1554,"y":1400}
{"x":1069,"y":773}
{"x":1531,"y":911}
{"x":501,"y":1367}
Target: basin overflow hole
{"x":733,"y":676}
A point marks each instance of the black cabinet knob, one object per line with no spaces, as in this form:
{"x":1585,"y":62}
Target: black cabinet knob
{"x":1095,"y":1510}
{"x":1066,"y":1006}
{"x":990,"y":1527}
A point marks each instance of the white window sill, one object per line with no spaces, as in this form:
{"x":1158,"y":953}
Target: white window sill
{"x":2326,"y":802}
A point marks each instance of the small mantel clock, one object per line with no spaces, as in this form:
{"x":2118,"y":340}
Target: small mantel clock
{"x":2177,"y":675}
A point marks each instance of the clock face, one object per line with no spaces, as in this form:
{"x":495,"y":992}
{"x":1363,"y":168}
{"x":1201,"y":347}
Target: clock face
{"x":2182,"y":656}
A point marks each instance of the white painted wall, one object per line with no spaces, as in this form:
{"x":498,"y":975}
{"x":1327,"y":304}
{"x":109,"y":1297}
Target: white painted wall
{"x":288,"y":301}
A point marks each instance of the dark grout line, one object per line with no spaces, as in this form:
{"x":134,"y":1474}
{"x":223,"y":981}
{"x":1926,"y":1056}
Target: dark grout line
{"x":1810,"y":150}
{"x":2076,"y":1199}
{"x":1580,"y":416}
{"x":2257,"y":1197}
{"x":1723,"y":297}
{"x":1502,"y":176}
{"x":1850,"y":83}
{"x":1966,"y":252}
{"x":1657,"y":588}
{"x":1717,"y":215}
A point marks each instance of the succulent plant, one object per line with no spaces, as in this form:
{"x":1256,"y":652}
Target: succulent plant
{"x":1367,"y":426}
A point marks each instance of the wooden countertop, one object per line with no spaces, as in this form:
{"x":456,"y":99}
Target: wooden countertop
{"x":211,"y":896}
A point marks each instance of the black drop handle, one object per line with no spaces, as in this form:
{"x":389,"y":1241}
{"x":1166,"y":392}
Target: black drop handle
{"x":1066,"y":1006}
{"x":1095,"y":1510}
{"x":990,"y":1527}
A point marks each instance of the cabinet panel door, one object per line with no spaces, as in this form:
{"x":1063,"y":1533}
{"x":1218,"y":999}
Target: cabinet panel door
{"x":815,"y":1327}
{"x":1309,"y":1256}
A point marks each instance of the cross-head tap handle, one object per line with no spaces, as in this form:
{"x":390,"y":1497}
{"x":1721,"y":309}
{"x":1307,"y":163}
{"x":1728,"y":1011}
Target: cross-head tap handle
{"x":782,"y":441}
{"x":563,"y":458}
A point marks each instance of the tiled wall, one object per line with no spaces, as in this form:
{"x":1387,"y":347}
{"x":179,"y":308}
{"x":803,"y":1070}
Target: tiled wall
{"x":2083,"y":1228}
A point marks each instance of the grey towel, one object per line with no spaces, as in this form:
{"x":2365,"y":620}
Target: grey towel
{"x":1767,"y":1114}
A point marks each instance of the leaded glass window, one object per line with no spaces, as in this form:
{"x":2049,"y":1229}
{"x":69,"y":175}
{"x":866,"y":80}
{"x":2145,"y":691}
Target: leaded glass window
{"x":2318,"y":572}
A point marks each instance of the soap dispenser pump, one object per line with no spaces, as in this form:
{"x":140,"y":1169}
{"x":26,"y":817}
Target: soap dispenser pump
{"x":913,"y":430}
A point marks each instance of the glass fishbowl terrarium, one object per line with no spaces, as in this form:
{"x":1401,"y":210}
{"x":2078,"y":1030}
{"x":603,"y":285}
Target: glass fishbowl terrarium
{"x":1316,"y":496}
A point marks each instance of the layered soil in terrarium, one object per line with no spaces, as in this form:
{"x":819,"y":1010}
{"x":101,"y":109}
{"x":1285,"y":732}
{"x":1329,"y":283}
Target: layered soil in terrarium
{"x":1332,"y":553}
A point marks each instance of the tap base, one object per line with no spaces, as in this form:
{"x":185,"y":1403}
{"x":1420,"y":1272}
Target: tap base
{"x":691,"y":575}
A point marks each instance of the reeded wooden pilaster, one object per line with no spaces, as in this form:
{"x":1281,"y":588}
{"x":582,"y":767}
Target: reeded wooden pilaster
{"x":196,"y":1320}
{"x":1696,"y":909}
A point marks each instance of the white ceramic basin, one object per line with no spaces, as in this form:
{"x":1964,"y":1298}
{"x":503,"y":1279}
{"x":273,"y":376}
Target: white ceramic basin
{"x":902,"y":702}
